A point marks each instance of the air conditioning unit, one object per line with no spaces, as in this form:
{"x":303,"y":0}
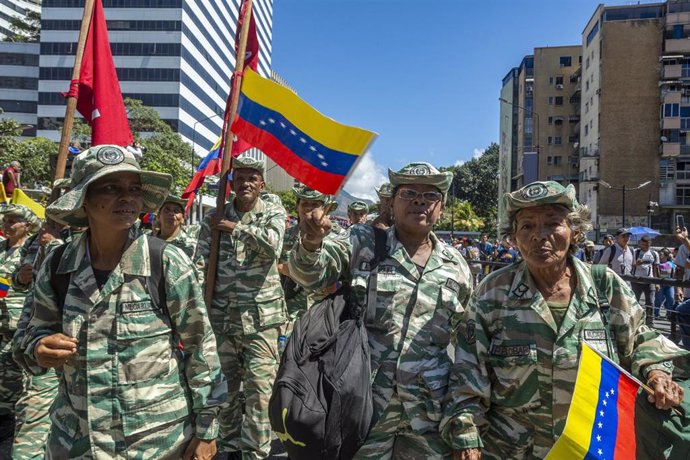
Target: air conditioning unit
{"x":559,"y":86}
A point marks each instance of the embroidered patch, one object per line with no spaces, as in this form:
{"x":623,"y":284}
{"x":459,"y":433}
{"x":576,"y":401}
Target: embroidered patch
{"x":421,"y":170}
{"x":387,"y":270}
{"x":453,"y":285}
{"x":131,"y":307}
{"x":507,"y":351}
{"x":110,"y":156}
{"x":520,"y":290}
{"x":471,"y":332}
{"x":535,"y":191}
{"x":594,"y":334}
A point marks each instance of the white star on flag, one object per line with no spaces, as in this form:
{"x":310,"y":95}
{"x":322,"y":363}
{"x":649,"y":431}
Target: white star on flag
{"x":293,"y":132}
{"x":600,"y":425}
{"x":321,"y":157}
{"x":302,"y":140}
{"x":604,"y":402}
{"x":283,"y":125}
{"x":271,"y":120}
{"x":600,"y":452}
{"x":598,"y":438}
{"x":262,"y":123}
{"x":611,"y":391}
{"x":607,"y":394}
{"x":324,"y":163}
{"x":312,"y":148}
{"x":601,"y":412}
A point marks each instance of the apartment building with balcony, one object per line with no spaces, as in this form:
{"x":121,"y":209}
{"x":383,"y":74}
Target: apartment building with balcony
{"x":620,"y":112}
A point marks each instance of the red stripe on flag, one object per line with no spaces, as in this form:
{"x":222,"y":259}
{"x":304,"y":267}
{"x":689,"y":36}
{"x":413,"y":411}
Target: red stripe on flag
{"x":625,"y":437}
{"x":301,"y":170}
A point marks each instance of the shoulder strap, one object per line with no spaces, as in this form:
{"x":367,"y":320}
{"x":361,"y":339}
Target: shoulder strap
{"x":600,"y":281}
{"x":59,"y":281}
{"x":612,"y":254}
{"x":156,"y":282}
{"x":636,"y":254}
{"x":380,"y":253}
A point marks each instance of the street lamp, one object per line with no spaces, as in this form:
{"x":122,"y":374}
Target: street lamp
{"x":535,"y":145}
{"x":194,"y":137}
{"x":624,"y":189}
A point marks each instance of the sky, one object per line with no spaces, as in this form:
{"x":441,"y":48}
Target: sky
{"x":425,"y":74}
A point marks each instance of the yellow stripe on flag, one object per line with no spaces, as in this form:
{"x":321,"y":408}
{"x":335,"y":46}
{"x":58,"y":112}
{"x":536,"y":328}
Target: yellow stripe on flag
{"x":3,"y":195}
{"x":19,"y":197}
{"x":322,"y":129}
{"x":577,"y":435}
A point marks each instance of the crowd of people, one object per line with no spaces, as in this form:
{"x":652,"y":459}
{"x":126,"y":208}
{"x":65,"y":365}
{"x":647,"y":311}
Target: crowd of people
{"x":110,"y":351}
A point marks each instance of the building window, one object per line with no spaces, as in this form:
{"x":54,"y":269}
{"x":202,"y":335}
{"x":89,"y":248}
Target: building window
{"x":678,"y":31}
{"x":566,"y":61}
{"x":559,"y":80}
{"x":587,"y":63}
{"x":558,"y":100}
{"x":528,"y":125}
{"x":586,"y":129}
{"x":557,"y":161}
{"x":549,"y":161}
{"x":549,"y":140}
{"x":19,"y":59}
{"x":683,"y":194}
{"x":550,"y":120}
{"x":572,"y":139}
{"x":550,"y":100}
{"x":586,"y":107}
{"x":550,"y":80}
{"x":557,"y":141}
{"x":685,"y":69}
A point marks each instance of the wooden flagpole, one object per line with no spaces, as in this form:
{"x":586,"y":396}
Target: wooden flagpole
{"x":236,"y":84}
{"x":72,"y":100}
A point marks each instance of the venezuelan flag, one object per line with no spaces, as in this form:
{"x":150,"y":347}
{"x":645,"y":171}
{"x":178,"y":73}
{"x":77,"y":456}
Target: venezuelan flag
{"x":601,"y":420}
{"x":4,"y":287}
{"x":314,"y":149}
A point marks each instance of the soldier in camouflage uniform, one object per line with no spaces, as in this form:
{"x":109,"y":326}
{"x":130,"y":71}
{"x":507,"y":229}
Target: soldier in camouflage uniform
{"x":18,"y":222}
{"x":32,"y":417}
{"x":172,"y":229}
{"x":519,"y":346}
{"x":385,"y":218}
{"x":126,"y":389}
{"x":297,"y":298}
{"x":248,"y":307}
{"x":357,"y":212}
{"x":420,"y":294}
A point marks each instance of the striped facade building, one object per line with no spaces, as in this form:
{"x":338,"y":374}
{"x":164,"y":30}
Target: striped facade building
{"x":10,"y":9}
{"x":176,"y":56}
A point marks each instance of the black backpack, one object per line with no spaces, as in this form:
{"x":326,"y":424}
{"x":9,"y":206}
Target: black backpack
{"x":154,"y":283}
{"x":321,"y":405}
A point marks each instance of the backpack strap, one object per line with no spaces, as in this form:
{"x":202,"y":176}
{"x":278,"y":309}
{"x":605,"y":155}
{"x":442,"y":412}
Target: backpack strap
{"x":612,"y":254}
{"x":156,"y":282}
{"x":59,"y":281}
{"x":380,"y":253}
{"x":600,"y":282}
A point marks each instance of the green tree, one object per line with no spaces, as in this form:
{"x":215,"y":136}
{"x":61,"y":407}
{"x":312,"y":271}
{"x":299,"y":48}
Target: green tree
{"x":34,"y":156}
{"x":164,"y":150}
{"x":464,"y":217}
{"x":289,"y":201}
{"x":476,"y":182}
{"x":25,"y":29}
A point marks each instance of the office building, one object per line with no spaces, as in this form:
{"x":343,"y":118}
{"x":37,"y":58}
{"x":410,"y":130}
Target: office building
{"x":19,"y":84}
{"x":10,"y":9}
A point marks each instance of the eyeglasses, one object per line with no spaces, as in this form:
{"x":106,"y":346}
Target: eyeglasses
{"x":408,"y":194}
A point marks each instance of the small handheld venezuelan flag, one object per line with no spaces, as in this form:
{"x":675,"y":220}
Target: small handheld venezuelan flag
{"x":601,"y":419}
{"x":4,"y":287}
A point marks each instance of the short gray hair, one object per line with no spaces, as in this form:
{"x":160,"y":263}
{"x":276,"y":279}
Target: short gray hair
{"x":580,"y":220}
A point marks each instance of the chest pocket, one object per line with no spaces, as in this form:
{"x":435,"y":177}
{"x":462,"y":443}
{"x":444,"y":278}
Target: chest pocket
{"x":514,"y":375}
{"x":144,"y":343}
{"x":447,"y":306}
{"x":388,"y":285}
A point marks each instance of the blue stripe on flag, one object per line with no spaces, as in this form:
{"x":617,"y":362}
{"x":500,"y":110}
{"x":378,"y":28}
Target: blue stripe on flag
{"x":309,"y":150}
{"x":603,"y":442}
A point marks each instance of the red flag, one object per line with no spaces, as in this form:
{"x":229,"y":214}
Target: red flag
{"x":99,"y":99}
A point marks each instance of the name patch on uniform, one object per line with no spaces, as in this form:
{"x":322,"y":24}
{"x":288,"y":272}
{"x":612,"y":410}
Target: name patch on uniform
{"x":471,"y":332}
{"x":453,"y":285}
{"x":510,"y":350}
{"x":131,"y":307}
{"x":386,"y":270}
{"x":594,"y":334}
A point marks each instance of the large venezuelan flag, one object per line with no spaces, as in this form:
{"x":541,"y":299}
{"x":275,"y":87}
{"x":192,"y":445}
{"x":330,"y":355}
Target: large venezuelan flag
{"x":314,"y":149}
{"x":601,"y":420}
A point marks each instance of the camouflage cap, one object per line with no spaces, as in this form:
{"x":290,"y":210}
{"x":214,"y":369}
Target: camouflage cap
{"x":23,"y":213}
{"x":176,"y":200}
{"x":62,"y":183}
{"x":422,"y":173}
{"x":385,"y":191}
{"x":358,"y":206}
{"x":302,"y":192}
{"x":93,"y":164}
{"x":540,"y":194}
{"x":271,"y":198}
{"x":248,"y":163}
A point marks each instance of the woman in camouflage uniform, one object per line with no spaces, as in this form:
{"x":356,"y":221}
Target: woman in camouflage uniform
{"x":126,"y":389}
{"x":18,"y":222}
{"x":519,"y":346}
{"x":170,"y":220}
{"x":416,"y":302}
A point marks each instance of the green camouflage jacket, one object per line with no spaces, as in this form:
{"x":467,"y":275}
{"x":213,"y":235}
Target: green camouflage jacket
{"x":129,"y":377}
{"x":10,"y":306}
{"x":515,"y":371}
{"x":248,"y":296}
{"x":414,"y":315}
{"x":186,"y":239}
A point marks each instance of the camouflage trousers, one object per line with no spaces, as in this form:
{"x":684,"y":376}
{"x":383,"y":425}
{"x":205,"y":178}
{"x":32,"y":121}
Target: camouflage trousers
{"x":250,"y":361}
{"x":32,"y":417}
{"x":392,"y":438}
{"x":11,"y":376}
